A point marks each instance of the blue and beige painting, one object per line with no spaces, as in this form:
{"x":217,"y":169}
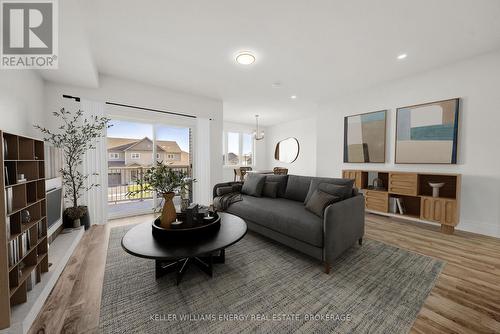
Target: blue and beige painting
{"x":427,"y":133}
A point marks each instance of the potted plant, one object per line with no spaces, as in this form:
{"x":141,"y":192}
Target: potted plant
{"x":75,"y":136}
{"x":166,"y":182}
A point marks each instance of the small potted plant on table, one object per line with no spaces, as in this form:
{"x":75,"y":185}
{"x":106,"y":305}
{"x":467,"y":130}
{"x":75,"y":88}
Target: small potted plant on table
{"x":166,"y":182}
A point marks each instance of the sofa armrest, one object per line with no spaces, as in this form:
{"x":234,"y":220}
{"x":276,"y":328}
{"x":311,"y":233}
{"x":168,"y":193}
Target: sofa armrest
{"x":343,"y":225}
{"x":224,"y":184}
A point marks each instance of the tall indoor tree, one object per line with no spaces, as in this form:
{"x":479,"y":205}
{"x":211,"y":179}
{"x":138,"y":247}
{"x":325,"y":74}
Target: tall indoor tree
{"x":75,"y":136}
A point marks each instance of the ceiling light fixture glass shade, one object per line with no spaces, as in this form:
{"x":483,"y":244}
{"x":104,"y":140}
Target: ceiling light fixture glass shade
{"x":402,"y":56}
{"x":245,"y":58}
{"x":257,"y":134}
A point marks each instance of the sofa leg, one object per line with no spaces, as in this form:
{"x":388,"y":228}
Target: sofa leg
{"x":327,"y":268}
{"x":360,"y":241}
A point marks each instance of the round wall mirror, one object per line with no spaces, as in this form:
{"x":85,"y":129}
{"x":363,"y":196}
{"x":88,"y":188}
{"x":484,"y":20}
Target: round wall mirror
{"x":287,"y":150}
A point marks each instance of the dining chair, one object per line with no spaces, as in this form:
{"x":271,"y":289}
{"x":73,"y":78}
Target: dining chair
{"x":280,"y":171}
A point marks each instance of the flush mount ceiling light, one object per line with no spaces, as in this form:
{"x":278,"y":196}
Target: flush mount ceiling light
{"x":293,"y":97}
{"x":402,"y":56}
{"x":245,"y":58}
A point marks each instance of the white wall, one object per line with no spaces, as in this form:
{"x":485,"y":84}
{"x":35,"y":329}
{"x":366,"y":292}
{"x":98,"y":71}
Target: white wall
{"x":21,"y":102}
{"x":477,"y":83}
{"x":305,"y":132}
{"x":261,"y":160}
{"x":138,"y":94}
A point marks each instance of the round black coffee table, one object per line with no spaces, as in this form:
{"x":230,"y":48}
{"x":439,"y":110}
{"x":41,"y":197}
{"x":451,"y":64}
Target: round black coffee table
{"x":178,"y":255}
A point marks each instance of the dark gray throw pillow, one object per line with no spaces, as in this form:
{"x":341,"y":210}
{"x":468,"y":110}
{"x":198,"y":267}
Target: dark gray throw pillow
{"x":341,"y":191}
{"x":253,"y":184}
{"x":270,"y":189}
{"x":319,"y":201}
{"x":281,"y":180}
{"x":237,"y":187}
{"x":224,"y":190}
{"x":336,"y":181}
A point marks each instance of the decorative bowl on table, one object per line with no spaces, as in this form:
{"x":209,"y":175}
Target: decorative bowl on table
{"x":188,"y":229}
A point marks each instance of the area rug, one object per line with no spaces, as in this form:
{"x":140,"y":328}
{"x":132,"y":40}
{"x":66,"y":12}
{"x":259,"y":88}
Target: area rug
{"x":265,"y":287}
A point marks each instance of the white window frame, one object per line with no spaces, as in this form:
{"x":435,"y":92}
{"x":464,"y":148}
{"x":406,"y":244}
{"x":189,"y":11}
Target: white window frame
{"x":240,"y":148}
{"x":135,"y":156}
{"x":170,"y":156}
{"x":157,"y":155}
{"x":114,"y":155}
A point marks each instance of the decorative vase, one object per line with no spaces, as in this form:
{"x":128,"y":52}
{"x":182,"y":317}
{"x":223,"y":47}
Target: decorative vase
{"x":168,"y":213}
{"x":435,"y":188}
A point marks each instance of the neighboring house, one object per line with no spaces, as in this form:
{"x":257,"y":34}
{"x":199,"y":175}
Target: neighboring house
{"x":128,"y":157}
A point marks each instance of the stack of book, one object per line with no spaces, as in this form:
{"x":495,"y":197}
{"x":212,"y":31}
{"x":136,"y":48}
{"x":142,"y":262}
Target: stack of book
{"x":13,"y":252}
{"x":25,"y":243}
{"x":31,"y":281}
{"x":396,"y":205}
{"x":40,"y":229}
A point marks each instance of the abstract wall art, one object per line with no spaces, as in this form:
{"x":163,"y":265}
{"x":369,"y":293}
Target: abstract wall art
{"x":427,"y":133}
{"x":364,"y":137}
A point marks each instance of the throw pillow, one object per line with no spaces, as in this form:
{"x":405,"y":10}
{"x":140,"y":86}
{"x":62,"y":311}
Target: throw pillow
{"x":339,"y":182}
{"x":237,"y":187}
{"x":319,"y":201}
{"x":270,"y":189}
{"x":341,"y":191}
{"x":253,"y":184}
{"x":281,"y":180}
{"x":224,"y":190}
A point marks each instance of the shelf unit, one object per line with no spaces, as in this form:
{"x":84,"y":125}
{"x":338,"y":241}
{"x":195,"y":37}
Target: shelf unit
{"x":414,"y":191}
{"x":23,"y":240}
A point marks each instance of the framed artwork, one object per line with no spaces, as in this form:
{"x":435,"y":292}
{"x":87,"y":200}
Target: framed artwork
{"x":427,"y":133}
{"x":364,"y":137}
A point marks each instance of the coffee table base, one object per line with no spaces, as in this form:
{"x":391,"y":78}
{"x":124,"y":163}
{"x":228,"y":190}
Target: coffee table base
{"x":180,"y":266}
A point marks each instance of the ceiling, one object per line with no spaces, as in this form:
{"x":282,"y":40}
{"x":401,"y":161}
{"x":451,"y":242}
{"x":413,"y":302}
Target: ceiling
{"x":317,"y":50}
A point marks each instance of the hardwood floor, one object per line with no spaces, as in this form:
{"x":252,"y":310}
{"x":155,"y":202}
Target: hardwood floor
{"x":465,"y":299}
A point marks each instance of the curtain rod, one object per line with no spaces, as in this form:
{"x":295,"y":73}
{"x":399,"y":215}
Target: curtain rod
{"x":77,"y":99}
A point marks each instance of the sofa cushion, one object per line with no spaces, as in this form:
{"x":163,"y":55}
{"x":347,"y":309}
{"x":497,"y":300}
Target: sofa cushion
{"x":281,"y":215}
{"x":224,"y":190}
{"x":270,"y":189}
{"x":317,"y":180}
{"x":282,"y":180}
{"x":319,"y":201}
{"x":343,"y":192}
{"x":253,"y":184}
{"x":297,"y":187}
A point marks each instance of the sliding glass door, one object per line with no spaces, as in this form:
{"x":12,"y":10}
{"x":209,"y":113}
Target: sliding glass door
{"x":132,"y":148}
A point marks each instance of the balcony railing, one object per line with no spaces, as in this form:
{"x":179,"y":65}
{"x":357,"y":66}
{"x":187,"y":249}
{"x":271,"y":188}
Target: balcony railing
{"x":122,"y":180}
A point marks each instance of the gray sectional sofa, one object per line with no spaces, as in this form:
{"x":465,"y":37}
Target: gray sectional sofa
{"x":286,"y":220}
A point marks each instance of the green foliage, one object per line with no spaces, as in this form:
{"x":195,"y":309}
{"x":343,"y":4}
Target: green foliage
{"x":75,"y":137}
{"x":162,"y":179}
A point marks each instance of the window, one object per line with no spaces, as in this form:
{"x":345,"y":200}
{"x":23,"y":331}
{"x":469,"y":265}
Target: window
{"x":157,"y":156}
{"x":238,"y":149}
{"x":114,"y":155}
{"x":170,"y":156}
{"x":135,"y":155}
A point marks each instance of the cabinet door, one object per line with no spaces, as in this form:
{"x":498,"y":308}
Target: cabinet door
{"x":449,"y":215}
{"x":377,"y":201}
{"x":403,"y":183}
{"x":431,"y":209}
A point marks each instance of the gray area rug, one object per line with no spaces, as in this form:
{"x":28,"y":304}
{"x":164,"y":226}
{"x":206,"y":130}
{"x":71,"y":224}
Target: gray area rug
{"x":265,"y":287}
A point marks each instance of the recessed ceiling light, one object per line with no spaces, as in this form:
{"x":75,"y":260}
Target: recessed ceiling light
{"x":245,"y":58}
{"x":402,"y":56}
{"x":293,"y":97}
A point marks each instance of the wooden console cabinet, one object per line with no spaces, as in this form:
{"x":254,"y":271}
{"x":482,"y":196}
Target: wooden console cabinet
{"x":414,"y":191}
